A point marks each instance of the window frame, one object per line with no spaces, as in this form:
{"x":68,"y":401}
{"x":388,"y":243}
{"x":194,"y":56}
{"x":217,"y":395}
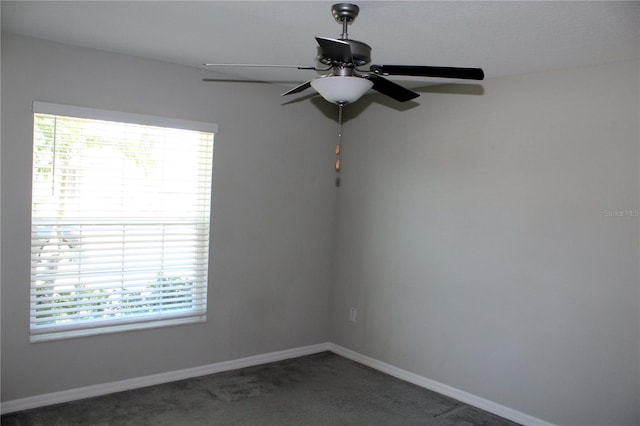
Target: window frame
{"x":125,"y":323}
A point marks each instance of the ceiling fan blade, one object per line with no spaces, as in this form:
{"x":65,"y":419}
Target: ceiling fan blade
{"x":300,"y":67}
{"x":425,"y":71}
{"x":337,"y":50}
{"x":391,"y":89}
{"x":299,"y":88}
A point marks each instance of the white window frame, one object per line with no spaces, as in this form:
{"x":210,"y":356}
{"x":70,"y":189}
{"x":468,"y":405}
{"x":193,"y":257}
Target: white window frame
{"x":127,"y":323}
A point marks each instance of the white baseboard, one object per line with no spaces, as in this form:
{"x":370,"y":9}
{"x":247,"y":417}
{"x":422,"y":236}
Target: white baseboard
{"x":155,"y":379}
{"x":171,"y":376}
{"x":452,"y":392}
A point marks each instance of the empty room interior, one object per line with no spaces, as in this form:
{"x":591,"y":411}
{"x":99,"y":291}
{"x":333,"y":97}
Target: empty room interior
{"x":467,"y":222}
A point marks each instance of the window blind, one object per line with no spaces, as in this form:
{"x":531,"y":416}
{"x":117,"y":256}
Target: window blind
{"x":120,"y":221}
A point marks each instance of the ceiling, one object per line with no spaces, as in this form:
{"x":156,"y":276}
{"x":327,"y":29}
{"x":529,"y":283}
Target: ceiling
{"x":502,"y":37}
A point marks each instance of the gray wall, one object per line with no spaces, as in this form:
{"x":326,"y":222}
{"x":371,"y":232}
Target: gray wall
{"x":273,"y":216}
{"x":474,"y":241}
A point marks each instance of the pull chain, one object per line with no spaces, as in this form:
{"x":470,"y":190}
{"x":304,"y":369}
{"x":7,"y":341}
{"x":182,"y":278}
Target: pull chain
{"x":339,"y":144}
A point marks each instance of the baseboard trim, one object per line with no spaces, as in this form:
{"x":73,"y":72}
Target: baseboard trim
{"x":171,"y":376}
{"x":467,"y":398}
{"x":155,"y":379}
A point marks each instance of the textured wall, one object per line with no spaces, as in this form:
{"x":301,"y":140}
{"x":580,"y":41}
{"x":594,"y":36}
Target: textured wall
{"x":478,"y":239}
{"x":273,"y":216}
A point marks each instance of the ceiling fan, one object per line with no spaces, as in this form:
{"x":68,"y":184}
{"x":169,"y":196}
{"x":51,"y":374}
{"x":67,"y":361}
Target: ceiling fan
{"x":346,"y":81}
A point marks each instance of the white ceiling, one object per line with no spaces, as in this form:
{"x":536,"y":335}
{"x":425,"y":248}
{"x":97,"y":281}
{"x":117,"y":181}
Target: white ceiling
{"x":502,"y":37}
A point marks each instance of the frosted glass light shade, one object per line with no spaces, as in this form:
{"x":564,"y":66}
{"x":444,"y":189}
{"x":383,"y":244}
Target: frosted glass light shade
{"x":341,"y":89}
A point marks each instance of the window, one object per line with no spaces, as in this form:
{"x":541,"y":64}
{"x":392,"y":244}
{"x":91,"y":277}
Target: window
{"x":120,"y":221}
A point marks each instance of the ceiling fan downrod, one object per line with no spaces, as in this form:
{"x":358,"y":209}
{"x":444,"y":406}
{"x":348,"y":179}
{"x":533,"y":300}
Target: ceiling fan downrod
{"x":345,"y":13}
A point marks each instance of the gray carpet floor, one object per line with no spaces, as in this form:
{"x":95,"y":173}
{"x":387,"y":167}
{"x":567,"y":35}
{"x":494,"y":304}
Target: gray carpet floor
{"x":321,"y":389}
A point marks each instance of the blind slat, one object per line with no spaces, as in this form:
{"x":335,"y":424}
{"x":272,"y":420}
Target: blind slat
{"x":116,"y":297}
{"x":105,"y":315}
{"x":112,"y":309}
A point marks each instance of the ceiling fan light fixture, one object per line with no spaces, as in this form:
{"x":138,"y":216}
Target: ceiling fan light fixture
{"x":341,"y":89}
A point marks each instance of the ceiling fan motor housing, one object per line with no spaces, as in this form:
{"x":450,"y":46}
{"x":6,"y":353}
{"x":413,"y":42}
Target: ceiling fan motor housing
{"x":360,"y":52}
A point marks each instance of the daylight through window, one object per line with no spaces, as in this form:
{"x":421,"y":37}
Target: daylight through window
{"x":120,"y":221}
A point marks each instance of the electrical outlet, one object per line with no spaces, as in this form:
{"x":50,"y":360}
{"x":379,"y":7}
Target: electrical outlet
{"x":353,"y":314}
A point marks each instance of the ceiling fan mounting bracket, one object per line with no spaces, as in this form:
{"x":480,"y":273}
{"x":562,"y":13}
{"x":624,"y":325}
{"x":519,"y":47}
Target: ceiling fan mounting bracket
{"x":345,"y":12}
{"x":376,"y":69}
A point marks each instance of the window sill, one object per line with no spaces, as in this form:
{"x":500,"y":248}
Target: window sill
{"x":71,"y":334}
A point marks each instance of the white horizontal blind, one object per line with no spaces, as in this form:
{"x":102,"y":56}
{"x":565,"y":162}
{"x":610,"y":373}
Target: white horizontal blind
{"x":120,"y":222}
